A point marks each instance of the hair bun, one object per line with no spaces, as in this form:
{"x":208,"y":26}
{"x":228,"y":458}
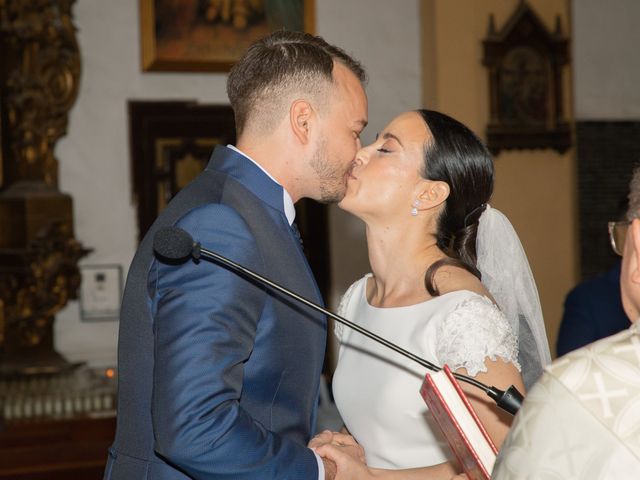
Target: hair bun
{"x":474,"y":215}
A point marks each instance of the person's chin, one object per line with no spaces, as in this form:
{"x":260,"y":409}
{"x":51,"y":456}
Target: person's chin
{"x":352,"y":209}
{"x":336,"y":194}
{"x":346,"y":204}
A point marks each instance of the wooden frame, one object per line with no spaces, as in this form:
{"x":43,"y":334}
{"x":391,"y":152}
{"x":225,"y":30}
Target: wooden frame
{"x":211,"y":35}
{"x":525,"y":62}
{"x":160,"y":131}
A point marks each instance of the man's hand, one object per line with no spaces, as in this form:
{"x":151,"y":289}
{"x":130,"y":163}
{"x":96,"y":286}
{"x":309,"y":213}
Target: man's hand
{"x":330,"y":469}
{"x":347,"y":466}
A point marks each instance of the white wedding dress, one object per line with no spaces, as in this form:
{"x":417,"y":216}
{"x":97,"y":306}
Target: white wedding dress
{"x":377,"y":391}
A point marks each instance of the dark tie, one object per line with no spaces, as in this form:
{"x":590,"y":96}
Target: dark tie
{"x":296,"y":232}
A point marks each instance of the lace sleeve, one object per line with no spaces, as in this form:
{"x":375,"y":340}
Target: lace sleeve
{"x":474,"y":330}
{"x":342,"y":311}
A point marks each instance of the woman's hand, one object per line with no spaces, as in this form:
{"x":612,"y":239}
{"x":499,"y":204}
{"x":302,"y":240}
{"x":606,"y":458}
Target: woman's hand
{"x":345,"y":442}
{"x":349,"y":466}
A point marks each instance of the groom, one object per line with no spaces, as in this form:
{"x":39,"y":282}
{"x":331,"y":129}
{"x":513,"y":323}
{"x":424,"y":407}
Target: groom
{"x":219,"y":376}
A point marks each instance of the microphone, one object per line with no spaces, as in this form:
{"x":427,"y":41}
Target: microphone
{"x":174,"y":245}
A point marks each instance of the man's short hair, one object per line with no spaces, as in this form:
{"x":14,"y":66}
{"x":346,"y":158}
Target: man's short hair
{"x":281,"y":64}
{"x":634,"y":195}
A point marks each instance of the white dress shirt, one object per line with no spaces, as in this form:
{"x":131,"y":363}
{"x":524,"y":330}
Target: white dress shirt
{"x":289,"y":209}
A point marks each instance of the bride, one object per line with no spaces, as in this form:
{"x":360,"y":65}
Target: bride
{"x":422,"y":189}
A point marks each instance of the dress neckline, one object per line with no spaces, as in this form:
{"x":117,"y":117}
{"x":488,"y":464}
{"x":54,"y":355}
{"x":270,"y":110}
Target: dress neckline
{"x":413,"y":305}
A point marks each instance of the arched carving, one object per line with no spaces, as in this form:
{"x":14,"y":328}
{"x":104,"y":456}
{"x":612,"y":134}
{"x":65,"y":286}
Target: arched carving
{"x":525,"y":62}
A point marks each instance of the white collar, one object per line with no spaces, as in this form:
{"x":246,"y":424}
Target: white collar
{"x":289,"y":209}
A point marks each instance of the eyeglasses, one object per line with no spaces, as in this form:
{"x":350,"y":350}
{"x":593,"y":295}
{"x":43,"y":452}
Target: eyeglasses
{"x":617,"y":235}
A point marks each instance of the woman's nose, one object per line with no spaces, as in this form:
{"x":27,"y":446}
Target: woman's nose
{"x":362,"y":157}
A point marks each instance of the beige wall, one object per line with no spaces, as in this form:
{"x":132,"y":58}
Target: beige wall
{"x":606,"y":63}
{"x":535,"y":189}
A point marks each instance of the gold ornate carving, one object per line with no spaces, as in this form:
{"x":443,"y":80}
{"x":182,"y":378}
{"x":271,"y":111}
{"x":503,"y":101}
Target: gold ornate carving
{"x":35,"y":284}
{"x":49,"y":279}
{"x":42,"y":85}
{"x":39,"y":75}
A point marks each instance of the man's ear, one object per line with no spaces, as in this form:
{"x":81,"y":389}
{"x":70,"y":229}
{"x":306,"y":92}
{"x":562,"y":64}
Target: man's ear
{"x":432,"y":194}
{"x":300,"y":117}
{"x":633,"y":237}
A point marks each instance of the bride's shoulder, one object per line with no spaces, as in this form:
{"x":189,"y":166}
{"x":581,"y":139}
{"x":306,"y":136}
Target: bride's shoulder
{"x":356,"y":286}
{"x":345,"y":308}
{"x":449,"y":278}
{"x":361,"y":283}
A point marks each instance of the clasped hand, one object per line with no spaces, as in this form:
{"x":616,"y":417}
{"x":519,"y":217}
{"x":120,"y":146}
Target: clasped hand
{"x":344,"y":451}
{"x":349,"y":457}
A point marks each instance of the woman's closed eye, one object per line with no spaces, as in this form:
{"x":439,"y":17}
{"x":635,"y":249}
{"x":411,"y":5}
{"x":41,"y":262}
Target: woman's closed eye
{"x":387,"y":146}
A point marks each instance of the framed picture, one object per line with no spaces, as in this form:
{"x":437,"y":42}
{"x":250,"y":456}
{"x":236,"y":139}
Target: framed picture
{"x":171,"y":142}
{"x":211,"y":35}
{"x":525,"y":62}
{"x":100,"y":292}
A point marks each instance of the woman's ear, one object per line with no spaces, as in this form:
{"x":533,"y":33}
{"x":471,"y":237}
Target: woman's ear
{"x":300,"y":118}
{"x":433,"y":194}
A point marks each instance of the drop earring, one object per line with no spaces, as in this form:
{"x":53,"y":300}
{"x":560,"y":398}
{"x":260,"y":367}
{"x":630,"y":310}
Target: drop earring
{"x":414,"y":210}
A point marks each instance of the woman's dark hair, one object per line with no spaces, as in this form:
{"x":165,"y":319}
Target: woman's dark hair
{"x":456,"y":156}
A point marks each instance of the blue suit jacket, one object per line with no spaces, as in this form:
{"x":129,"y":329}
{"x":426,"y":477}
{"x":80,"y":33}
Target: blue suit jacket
{"x":592,"y":310}
{"x":218,"y":377}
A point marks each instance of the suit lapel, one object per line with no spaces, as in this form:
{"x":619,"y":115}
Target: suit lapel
{"x":270,"y":195}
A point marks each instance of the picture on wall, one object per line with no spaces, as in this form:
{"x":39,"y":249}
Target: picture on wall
{"x":211,"y":35}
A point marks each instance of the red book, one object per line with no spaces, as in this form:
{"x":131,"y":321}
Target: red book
{"x":459,"y":423}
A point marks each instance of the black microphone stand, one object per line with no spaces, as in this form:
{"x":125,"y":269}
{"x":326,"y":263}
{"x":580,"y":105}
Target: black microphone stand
{"x":509,"y":400}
